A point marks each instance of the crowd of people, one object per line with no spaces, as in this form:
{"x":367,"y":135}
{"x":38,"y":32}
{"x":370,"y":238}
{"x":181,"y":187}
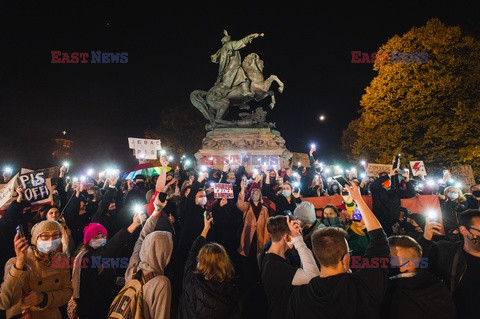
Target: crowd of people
{"x":264,"y":252}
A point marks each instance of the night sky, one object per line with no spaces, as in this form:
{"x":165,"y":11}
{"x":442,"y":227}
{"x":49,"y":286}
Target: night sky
{"x":169,"y":48}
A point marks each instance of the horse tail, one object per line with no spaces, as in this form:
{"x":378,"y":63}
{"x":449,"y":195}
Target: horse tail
{"x":198,"y":99}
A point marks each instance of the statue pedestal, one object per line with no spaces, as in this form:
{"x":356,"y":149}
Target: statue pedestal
{"x":259,"y":146}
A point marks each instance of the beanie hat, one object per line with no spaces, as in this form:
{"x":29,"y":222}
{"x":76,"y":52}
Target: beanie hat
{"x":43,"y":226}
{"x":139,"y":176}
{"x":305,"y":212}
{"x":92,"y":230}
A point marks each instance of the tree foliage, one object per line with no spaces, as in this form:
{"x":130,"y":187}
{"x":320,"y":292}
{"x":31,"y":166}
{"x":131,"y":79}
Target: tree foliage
{"x":426,"y":111}
{"x":180,"y":129}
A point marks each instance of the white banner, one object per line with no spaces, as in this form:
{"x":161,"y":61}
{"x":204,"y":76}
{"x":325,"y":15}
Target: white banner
{"x":7,"y":192}
{"x":418,"y":168}
{"x":222,"y":190}
{"x":375,"y":169}
{"x":145,"y":148}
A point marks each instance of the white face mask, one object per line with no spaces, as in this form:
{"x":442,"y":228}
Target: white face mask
{"x":95,"y":243}
{"x":48,"y":246}
{"x":202,"y":201}
{"x":452,"y":195}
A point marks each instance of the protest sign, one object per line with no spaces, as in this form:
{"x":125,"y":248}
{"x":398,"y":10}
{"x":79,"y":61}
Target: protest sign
{"x":375,"y":169}
{"x":303,"y":158}
{"x":35,"y":187}
{"x":464,"y":174}
{"x":222,"y":190}
{"x":418,"y":168}
{"x":145,"y":148}
{"x":7,"y":192}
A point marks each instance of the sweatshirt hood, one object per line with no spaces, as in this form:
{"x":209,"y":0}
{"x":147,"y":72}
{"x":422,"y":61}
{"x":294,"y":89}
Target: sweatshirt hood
{"x":156,"y":252}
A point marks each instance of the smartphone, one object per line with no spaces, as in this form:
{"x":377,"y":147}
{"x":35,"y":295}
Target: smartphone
{"x":357,"y":216}
{"x":162,"y":196}
{"x":397,"y":161}
{"x":175,"y":175}
{"x":289,"y":213}
{"x":20,"y":231}
{"x":342,"y":180}
{"x":206,"y":214}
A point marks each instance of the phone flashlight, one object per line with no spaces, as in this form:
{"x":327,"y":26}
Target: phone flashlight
{"x":363,"y":163}
{"x":137,"y":209}
{"x":187,"y":162}
{"x":313,"y":146}
{"x":433,"y":215}
{"x":162,"y":152}
{"x":66,"y":164}
{"x":299,"y":163}
{"x":170,"y":158}
{"x":8,"y":170}
{"x":203,"y":168}
{"x":90,"y":172}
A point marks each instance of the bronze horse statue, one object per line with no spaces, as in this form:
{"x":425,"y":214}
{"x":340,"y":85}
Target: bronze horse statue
{"x":214,"y":103}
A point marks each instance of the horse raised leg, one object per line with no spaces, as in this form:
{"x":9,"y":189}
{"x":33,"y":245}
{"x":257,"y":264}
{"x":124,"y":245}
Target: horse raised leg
{"x":266,"y":87}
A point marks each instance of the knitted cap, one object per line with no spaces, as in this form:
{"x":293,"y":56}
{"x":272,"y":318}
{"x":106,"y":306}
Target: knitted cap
{"x":92,"y":230}
{"x":305,"y":212}
{"x":44,"y":226}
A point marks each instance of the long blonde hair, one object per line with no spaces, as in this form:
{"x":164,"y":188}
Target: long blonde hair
{"x":461,"y":198}
{"x":214,"y":263}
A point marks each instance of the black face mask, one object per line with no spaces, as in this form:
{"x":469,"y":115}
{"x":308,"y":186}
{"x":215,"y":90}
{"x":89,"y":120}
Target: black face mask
{"x":476,"y":193}
{"x":140,"y":184}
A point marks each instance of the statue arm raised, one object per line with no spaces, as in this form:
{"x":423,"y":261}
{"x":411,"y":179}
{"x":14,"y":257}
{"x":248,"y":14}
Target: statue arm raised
{"x":237,"y":45}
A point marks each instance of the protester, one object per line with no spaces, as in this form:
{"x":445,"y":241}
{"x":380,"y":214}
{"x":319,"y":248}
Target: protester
{"x":456,"y":263}
{"x":452,"y":204}
{"x":331,"y":217}
{"x":412,"y":291}
{"x":151,"y":255}
{"x":208,"y":290}
{"x":254,"y":234}
{"x":95,"y":285}
{"x":33,"y":285}
{"x":288,"y":200}
{"x":277,"y":275}
{"x":338,"y":293}
{"x":307,"y":220}
{"x":386,"y":197}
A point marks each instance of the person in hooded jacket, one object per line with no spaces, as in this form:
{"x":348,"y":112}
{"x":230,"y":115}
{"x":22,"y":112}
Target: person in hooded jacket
{"x":208,"y":289}
{"x":151,"y":255}
{"x":94,"y":287}
{"x":412,"y":291}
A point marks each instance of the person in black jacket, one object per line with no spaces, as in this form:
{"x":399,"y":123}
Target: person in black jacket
{"x":94,"y":287}
{"x":386,"y":195}
{"x":457,"y":263}
{"x":287,"y":201}
{"x":413,"y":292}
{"x":338,"y":293}
{"x":208,"y":289}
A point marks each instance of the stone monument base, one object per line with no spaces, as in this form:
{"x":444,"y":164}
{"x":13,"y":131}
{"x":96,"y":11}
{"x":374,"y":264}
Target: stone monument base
{"x":257,"y":146}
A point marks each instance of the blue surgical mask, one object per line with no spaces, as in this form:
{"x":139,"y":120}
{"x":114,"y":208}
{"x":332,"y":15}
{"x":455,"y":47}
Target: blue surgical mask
{"x":48,"y":246}
{"x":286,"y":192}
{"x":452,"y":195}
{"x":96,"y":243}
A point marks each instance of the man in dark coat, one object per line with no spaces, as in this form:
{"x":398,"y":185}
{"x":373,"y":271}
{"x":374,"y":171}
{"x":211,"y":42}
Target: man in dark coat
{"x":386,"y":194}
{"x":412,"y":291}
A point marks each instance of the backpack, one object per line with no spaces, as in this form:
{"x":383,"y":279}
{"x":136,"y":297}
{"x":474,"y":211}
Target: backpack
{"x":128,"y":304}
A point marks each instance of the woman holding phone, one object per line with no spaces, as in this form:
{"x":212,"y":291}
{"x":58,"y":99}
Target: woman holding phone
{"x":34,"y":284}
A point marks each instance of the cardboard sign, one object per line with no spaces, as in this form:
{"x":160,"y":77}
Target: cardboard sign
{"x":418,"y":168}
{"x":221,"y":190}
{"x":375,"y":169}
{"x":464,"y":173}
{"x":35,"y":187}
{"x":145,"y":148}
{"x":303,"y":158}
{"x":7,"y":192}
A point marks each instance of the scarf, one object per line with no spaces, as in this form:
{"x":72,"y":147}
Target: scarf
{"x":77,"y":263}
{"x":257,"y":209}
{"x":45,"y":259}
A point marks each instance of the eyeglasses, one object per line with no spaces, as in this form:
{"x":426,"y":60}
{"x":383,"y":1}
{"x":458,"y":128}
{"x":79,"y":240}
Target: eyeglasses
{"x":47,"y":237}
